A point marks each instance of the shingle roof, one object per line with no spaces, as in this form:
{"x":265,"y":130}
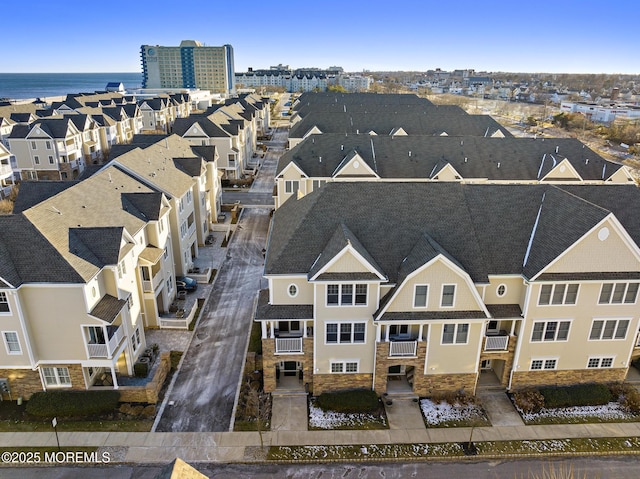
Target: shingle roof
{"x":505,"y":311}
{"x":147,"y":206}
{"x":108,"y":308}
{"x":499,"y":159}
{"x":485,"y":229}
{"x":33,"y":192}
{"x":264,"y":310}
{"x":431,"y":315}
{"x":27,"y":257}
{"x":98,"y":246}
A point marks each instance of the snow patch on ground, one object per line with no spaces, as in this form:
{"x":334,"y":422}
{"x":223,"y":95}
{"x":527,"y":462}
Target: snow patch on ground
{"x":442,"y":412}
{"x":610,"y":411}
{"x":333,"y":420}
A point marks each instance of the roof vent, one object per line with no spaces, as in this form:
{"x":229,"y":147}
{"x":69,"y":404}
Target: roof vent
{"x":586,"y":162}
{"x":557,"y":148}
{"x":465,"y":159}
{"x":461,"y":142}
{"x":498,"y":164}
{"x":409,"y":153}
{"x":320,"y":158}
{"x":341,"y":147}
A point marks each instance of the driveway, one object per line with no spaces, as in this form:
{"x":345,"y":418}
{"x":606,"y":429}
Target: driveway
{"x":204,"y":392}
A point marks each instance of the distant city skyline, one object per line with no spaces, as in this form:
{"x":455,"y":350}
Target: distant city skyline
{"x":417,"y":35}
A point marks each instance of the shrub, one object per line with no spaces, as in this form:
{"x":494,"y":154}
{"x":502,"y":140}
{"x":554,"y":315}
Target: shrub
{"x":350,"y":401}
{"x":577,"y":395}
{"x":528,"y":400}
{"x":453,"y":397}
{"x":72,"y":403}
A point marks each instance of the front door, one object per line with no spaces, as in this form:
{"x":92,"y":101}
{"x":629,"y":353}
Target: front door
{"x":290,"y":368}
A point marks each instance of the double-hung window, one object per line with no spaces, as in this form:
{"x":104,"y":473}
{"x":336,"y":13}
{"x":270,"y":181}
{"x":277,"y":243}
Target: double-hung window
{"x":420,"y":296}
{"x":346,"y":294}
{"x":609,"y":329}
{"x":455,"y":333}
{"x":550,"y":331}
{"x":448,"y":295}
{"x":4,"y":303}
{"x":56,"y":376}
{"x":12,"y":342}
{"x":345,"y":333}
{"x":558,"y":294}
{"x":618,"y":293}
{"x":291,"y":186}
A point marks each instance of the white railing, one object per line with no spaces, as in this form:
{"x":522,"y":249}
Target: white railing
{"x":192,"y":229}
{"x":288,"y":345}
{"x":403,"y":348}
{"x":114,"y":341}
{"x":151,"y":286}
{"x":98,"y":350}
{"x":496,"y":343}
{"x":174,"y":323}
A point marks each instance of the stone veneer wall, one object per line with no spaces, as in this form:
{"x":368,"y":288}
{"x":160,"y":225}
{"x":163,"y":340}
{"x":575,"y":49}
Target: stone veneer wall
{"x":335,"y":382}
{"x":554,"y":377}
{"x":440,"y":383}
{"x":507,"y":356}
{"x":22,"y":382}
{"x":150,"y":391}
{"x":383,"y":362}
{"x":270,"y":358}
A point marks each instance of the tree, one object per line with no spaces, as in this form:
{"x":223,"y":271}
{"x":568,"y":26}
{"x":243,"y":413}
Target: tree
{"x":257,"y":406}
{"x":337,"y":88}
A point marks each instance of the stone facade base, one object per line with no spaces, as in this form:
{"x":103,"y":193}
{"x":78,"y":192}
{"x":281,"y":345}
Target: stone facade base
{"x":22,"y":382}
{"x":323,"y":383}
{"x":149,"y":393}
{"x":523,"y":379}
{"x":270,"y":359}
{"x":384,"y":361}
{"x":440,"y":383}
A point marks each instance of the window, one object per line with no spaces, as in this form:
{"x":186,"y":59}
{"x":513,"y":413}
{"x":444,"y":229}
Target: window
{"x":189,"y":197}
{"x":56,"y":376}
{"x":344,"y":367}
{"x":36,"y":159}
{"x":609,"y":329}
{"x":599,"y":363}
{"x":121,"y":269}
{"x":130,"y":301}
{"x":345,"y":333}
{"x":455,"y":333}
{"x":48,"y":145}
{"x":181,"y":205}
{"x":501,"y":291}
{"x":34,"y":145}
{"x":170,"y":284}
{"x":293,"y":290}
{"x":550,"y":331}
{"x":558,"y":294}
{"x":618,"y":293}
{"x":11,"y":342}
{"x":317,"y":184}
{"x":420,"y":296}
{"x":291,"y":186}
{"x":183,"y":229}
{"x":537,"y":364}
{"x":346,"y":294}
{"x":166,"y":251}
{"x":448,"y":295}
{"x":4,"y":303}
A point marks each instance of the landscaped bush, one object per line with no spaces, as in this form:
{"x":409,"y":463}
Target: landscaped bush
{"x":453,"y":398}
{"x":577,"y":395}
{"x":72,"y":403}
{"x":528,"y":400}
{"x":351,"y":401}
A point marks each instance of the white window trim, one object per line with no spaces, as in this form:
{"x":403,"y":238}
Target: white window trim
{"x":455,"y":334}
{"x":6,"y":297}
{"x":6,"y":343}
{"x":544,"y":363}
{"x":288,"y":186}
{"x":455,"y":294}
{"x":498,"y":289}
{"x":340,"y":343}
{"x":339,"y":304}
{"x":564,"y":296}
{"x":617,"y":320}
{"x":626,"y":288}
{"x":344,"y":362}
{"x":55,"y":371}
{"x":426,"y":299}
{"x":297,"y":290}
{"x":600,"y":358}
{"x":547,"y":321}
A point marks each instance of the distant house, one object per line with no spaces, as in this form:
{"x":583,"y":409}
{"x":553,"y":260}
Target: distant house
{"x":115,"y":86}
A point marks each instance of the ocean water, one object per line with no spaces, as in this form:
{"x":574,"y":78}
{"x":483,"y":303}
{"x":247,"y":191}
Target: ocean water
{"x":37,"y":85}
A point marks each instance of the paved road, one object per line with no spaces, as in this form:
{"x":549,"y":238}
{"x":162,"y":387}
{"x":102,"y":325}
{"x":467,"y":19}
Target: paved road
{"x":204,"y":391}
{"x":625,"y":467}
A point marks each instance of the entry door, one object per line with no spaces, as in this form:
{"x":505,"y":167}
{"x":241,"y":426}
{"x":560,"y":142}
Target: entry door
{"x":290,"y":368}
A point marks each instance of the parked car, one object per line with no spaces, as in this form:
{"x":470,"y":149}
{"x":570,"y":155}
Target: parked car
{"x":184,"y":283}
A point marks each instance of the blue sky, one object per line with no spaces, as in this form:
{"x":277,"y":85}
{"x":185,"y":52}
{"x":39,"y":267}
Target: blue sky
{"x":581,"y":36}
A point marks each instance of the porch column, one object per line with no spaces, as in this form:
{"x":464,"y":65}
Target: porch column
{"x":113,"y":377}
{"x":386,"y":333}
{"x":106,"y":342}
{"x":304,"y":329}
{"x":513,"y":327}
{"x":420,"y":332}
{"x":378,"y":332}
{"x":263,"y":325}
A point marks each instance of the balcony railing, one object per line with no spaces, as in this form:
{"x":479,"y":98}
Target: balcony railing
{"x":192,"y":229}
{"x":150,"y":286}
{"x":106,"y":350}
{"x":288,"y":345}
{"x":403,"y":348}
{"x":496,"y":343}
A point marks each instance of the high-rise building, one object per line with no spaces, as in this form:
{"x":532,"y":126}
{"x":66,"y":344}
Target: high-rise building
{"x":191,"y":65}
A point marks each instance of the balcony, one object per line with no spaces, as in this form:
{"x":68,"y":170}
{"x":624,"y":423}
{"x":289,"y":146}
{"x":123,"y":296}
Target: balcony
{"x":107,"y":349}
{"x":288,"y":345}
{"x":151,"y":286}
{"x":403,"y":348}
{"x":496,"y":343}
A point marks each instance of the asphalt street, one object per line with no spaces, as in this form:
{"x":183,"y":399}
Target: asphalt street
{"x":204,"y":391}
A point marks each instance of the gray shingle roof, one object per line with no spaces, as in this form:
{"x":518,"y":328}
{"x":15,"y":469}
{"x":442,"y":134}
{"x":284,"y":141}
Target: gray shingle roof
{"x":146,"y":205}
{"x":264,"y":310}
{"x":486,"y":229}
{"x":99,"y":246}
{"x":33,"y":192}
{"x":108,"y":308}
{"x":499,"y":311}
{"x":423,"y":156}
{"x":431,"y":315}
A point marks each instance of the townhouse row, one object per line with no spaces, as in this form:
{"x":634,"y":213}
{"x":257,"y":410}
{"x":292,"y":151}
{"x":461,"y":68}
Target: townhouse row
{"x":87,"y":266}
{"x":431,"y":287}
